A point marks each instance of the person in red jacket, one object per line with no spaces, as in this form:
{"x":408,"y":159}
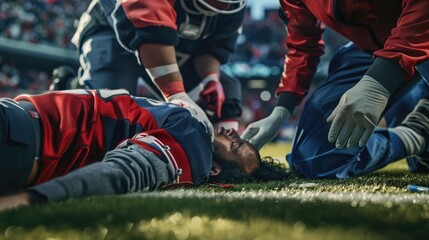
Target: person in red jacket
{"x":76,"y":143}
{"x":396,"y":35}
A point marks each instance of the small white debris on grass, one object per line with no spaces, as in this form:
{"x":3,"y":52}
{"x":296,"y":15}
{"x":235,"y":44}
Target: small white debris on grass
{"x":303,"y":185}
{"x":292,"y":194}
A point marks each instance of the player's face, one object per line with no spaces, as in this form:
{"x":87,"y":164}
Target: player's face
{"x":229,"y":146}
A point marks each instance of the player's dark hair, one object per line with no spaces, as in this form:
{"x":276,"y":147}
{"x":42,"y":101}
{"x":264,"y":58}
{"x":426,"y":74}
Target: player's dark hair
{"x":269,"y":170}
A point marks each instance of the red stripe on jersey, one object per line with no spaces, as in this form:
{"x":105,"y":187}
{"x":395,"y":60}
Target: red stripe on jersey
{"x":173,"y":151}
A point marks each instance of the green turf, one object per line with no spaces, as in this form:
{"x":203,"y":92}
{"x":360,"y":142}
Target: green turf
{"x":248,"y":211}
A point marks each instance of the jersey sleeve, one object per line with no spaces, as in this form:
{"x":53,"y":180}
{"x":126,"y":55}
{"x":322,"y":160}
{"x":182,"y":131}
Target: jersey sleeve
{"x":139,"y":21}
{"x":408,"y":43}
{"x":126,"y":169}
{"x":186,"y":131}
{"x":305,"y":46}
{"x":221,"y":43}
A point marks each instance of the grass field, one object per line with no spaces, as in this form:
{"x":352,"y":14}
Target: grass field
{"x":376,"y":206}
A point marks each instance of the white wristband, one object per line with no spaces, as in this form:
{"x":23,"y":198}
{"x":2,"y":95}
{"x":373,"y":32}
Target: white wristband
{"x":163,"y":70}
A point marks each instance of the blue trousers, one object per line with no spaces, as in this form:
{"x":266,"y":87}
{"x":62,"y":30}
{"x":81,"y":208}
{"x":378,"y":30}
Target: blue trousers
{"x":313,"y":156}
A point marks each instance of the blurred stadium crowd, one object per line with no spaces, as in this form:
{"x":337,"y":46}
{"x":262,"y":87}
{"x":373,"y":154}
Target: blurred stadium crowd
{"x":40,"y":21}
{"x":262,"y":41}
{"x":260,"y":47}
{"x":48,"y":22}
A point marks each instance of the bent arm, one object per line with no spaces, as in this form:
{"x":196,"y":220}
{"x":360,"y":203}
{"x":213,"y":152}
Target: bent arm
{"x":149,"y":29}
{"x":156,"y":55}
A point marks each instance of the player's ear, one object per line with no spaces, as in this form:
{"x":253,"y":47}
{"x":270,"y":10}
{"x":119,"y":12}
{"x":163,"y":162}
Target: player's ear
{"x":216,"y":169}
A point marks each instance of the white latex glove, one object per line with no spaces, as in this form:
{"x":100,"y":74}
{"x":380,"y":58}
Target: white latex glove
{"x":357,"y":114}
{"x":261,"y":132}
{"x":183,"y":100}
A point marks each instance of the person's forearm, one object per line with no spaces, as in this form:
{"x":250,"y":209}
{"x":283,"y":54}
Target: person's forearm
{"x":206,"y":64}
{"x":122,"y":171}
{"x":14,"y":201}
{"x":159,"y":55}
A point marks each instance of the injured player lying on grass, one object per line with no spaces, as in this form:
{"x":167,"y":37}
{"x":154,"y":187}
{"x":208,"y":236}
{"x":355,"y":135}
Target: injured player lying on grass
{"x":73,"y":144}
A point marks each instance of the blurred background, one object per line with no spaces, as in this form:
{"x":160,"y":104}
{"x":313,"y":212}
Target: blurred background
{"x":35,"y":38}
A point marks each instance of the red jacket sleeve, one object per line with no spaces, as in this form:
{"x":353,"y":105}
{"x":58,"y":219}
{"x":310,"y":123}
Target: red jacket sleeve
{"x":409,"y":40}
{"x":305,"y":46}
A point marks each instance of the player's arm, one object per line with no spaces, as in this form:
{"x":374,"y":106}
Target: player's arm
{"x":128,"y":168}
{"x":14,"y":201}
{"x":149,"y":29}
{"x":160,"y":62}
{"x":125,"y":170}
{"x":153,"y":36}
{"x":305,"y":46}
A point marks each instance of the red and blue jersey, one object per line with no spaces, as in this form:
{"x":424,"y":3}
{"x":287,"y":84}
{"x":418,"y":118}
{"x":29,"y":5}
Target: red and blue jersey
{"x":80,"y":126}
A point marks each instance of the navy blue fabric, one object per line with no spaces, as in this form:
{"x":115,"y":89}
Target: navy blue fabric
{"x":17,"y":145}
{"x":218,"y":37}
{"x":186,"y":130}
{"x":424,"y":70}
{"x":116,"y":130}
{"x":314,"y":157}
{"x":105,"y":64}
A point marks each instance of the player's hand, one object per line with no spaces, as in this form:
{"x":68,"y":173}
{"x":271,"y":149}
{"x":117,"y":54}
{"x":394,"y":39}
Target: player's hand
{"x":261,"y":132}
{"x":14,"y":201}
{"x":212,"y":95}
{"x":357,"y":114}
{"x":183,"y":100}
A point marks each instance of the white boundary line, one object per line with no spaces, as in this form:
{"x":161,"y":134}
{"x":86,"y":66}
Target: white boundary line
{"x":355,"y":198}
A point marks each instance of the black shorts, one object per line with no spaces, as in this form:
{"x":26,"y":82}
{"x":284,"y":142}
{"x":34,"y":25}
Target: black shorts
{"x":19,"y":144}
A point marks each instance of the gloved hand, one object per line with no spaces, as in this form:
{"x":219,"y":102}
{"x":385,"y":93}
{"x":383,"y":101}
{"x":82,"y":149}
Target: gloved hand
{"x":357,"y":114}
{"x":264,"y":130}
{"x":183,"y":100}
{"x":212,"y":95}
